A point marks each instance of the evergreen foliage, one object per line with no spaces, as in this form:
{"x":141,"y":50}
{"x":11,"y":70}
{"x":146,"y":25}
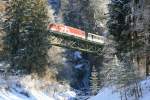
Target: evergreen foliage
{"x":119,"y":73}
{"x":98,"y":15}
{"x":117,"y":25}
{"x":76,"y":15}
{"x":94,"y":81}
{"x":27,"y":35}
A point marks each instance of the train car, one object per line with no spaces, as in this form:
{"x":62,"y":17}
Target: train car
{"x":76,"y":32}
{"x":67,"y":29}
{"x":96,"y":38}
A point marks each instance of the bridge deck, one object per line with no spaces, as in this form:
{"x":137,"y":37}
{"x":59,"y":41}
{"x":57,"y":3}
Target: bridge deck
{"x":66,"y":36}
{"x":73,"y":42}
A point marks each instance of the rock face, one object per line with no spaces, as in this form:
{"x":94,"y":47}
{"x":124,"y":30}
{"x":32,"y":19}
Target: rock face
{"x":141,"y":13}
{"x":101,"y":14}
{"x":56,"y":4}
{"x":140,"y":25}
{"x":3,"y":7}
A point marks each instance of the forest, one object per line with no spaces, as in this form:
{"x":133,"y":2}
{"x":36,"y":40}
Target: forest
{"x":32,"y":67}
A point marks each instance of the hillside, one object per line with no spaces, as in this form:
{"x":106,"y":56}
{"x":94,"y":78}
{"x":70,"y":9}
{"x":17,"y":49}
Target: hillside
{"x":41,"y":61}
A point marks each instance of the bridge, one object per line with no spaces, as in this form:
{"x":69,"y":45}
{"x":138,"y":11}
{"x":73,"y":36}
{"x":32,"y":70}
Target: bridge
{"x":76,"y":43}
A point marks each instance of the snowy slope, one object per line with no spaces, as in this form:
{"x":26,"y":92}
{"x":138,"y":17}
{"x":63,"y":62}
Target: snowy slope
{"x":109,"y":93}
{"x":24,"y":89}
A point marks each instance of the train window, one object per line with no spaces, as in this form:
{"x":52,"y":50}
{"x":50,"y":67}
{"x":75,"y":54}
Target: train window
{"x":90,"y":35}
{"x":98,"y":38}
{"x":95,"y":36}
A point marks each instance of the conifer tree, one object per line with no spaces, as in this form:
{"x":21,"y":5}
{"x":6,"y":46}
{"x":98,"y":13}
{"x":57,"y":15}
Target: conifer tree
{"x":27,"y":35}
{"x":117,"y":25}
{"x":94,"y":81}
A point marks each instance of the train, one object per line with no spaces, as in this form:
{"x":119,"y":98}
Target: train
{"x":76,"y":32}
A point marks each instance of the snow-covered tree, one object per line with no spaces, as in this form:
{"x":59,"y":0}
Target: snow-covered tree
{"x":98,"y":15}
{"x":118,"y":10}
{"x":94,"y":86}
{"x":27,"y":34}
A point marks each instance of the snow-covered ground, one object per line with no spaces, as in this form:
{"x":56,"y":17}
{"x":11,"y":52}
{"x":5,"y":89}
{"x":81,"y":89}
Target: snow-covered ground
{"x":137,"y":91}
{"x":25,"y":88}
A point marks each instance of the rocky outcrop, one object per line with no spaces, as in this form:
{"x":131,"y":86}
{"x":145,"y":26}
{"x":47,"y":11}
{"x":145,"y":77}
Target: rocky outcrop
{"x":100,"y":16}
{"x":3,"y":8}
{"x":140,"y":26}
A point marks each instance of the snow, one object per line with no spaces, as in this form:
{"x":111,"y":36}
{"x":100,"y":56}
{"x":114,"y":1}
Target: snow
{"x":4,"y":65}
{"x":77,"y":55}
{"x":12,"y":95}
{"x":109,"y":93}
{"x":106,"y":94}
{"x":79,"y":66}
{"x":69,"y":95}
{"x":16,"y":88}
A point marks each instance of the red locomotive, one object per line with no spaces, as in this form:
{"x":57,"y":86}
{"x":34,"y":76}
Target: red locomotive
{"x":67,"y":29}
{"x":76,"y":32}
